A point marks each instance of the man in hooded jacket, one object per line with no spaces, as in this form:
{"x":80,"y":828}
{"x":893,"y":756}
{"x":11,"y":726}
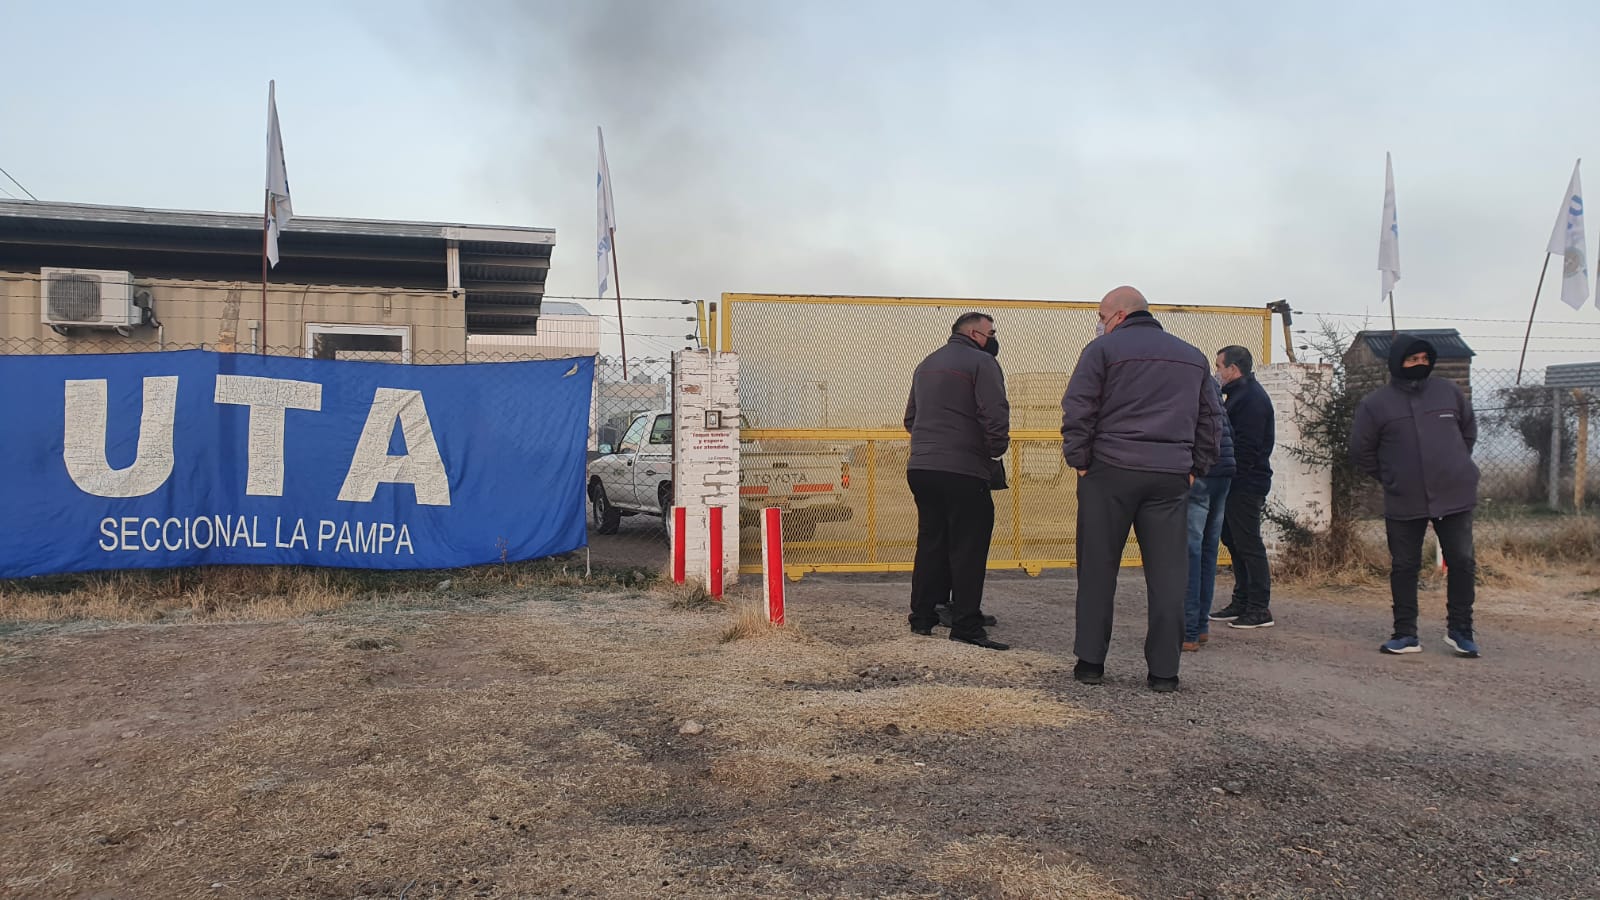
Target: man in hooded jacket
{"x":1415,"y":436}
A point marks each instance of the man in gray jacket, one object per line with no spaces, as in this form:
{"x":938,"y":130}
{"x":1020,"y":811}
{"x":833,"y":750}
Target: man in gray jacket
{"x":960,"y":424}
{"x":1415,"y":435}
{"x":1140,"y":421}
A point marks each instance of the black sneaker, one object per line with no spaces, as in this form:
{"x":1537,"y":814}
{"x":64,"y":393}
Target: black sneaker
{"x":1228,"y":614}
{"x":1088,"y":672}
{"x":1163,"y":685}
{"x":979,"y":640}
{"x":945,"y":620}
{"x":924,"y":630}
{"x":1256,"y":618}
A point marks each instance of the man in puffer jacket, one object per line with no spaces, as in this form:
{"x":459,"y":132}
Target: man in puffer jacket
{"x":1415,"y":435}
{"x":1208,"y":501}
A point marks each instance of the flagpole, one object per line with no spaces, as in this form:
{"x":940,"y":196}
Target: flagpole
{"x":266,"y":218}
{"x":616,"y":279}
{"x":1529,"y":333}
{"x":1392,"y":329}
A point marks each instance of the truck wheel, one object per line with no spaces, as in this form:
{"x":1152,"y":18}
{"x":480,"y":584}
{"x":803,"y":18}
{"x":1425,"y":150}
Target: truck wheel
{"x":664,"y":499}
{"x":607,"y":518}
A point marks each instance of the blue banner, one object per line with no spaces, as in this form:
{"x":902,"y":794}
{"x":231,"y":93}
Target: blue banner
{"x":148,"y":460}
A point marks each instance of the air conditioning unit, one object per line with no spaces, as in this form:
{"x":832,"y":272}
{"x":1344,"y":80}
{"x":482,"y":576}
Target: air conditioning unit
{"x":88,"y":298}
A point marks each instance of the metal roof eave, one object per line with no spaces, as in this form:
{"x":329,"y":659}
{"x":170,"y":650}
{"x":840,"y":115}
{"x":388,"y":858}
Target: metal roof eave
{"x":131,"y":215}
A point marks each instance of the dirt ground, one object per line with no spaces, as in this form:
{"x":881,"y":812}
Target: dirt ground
{"x":530,"y":744}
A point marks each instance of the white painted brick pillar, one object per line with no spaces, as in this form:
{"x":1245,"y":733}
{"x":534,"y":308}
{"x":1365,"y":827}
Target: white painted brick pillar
{"x":705,"y":457}
{"x":1305,"y":490}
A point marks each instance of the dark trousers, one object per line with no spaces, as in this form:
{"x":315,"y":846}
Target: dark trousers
{"x":1405,"y":552}
{"x":1241,"y":532}
{"x":955,"y":520}
{"x":1156,"y":506}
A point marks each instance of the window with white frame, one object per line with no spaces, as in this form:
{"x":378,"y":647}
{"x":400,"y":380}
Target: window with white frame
{"x":372,"y":343}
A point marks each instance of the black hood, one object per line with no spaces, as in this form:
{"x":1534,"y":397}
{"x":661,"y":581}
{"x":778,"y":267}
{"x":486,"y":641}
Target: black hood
{"x":1403,"y":346}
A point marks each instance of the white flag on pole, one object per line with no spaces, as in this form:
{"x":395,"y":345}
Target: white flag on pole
{"x":279,"y":210}
{"x":1567,"y":242}
{"x":605,"y":215}
{"x":1389,"y":237}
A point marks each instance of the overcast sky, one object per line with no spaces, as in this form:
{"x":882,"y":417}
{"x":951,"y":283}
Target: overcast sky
{"x":1223,"y":153}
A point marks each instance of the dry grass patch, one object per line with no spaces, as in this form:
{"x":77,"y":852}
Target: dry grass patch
{"x":1364,"y":564}
{"x":945,"y":709}
{"x":1571,"y":539}
{"x":515,"y":754}
{"x":208,"y":595}
{"x":771,"y":770}
{"x":691,"y":595}
{"x":996,"y":866}
{"x":267,"y":593}
{"x":1509,"y":562}
{"x":749,"y":621}
{"x":761,"y":699}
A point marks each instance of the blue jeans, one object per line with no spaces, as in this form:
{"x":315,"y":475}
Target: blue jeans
{"x":1208,"y":500}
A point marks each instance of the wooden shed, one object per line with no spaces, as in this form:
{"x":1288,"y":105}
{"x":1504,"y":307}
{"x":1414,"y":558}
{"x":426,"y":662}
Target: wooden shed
{"x":1366,"y":363}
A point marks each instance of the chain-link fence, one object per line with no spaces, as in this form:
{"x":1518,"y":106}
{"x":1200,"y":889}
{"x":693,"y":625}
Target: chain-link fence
{"x":631,"y":461}
{"x":1539,"y":456}
{"x":1537,"y":452}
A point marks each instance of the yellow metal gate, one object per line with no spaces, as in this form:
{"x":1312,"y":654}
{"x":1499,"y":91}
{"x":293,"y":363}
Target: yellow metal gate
{"x":831,"y":375}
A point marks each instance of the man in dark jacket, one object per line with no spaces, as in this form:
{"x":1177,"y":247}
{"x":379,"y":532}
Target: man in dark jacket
{"x":960,"y":424}
{"x":1415,"y":435}
{"x":1254,"y":433}
{"x":1208,"y":499}
{"x":1139,"y":422}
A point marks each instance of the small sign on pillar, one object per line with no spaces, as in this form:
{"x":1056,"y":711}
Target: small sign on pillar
{"x":705,"y":415}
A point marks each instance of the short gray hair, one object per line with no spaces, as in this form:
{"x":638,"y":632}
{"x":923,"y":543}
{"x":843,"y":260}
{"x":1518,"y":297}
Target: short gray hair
{"x":968,"y":319}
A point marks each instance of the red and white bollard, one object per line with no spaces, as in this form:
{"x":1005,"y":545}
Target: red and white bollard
{"x":772,"y":563}
{"x":715,"y":562}
{"x":680,"y":544}
{"x":714,"y":558}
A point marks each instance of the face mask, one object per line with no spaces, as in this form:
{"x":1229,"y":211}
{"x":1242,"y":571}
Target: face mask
{"x":1099,"y":329}
{"x":1415,"y":373}
{"x":993,"y":346}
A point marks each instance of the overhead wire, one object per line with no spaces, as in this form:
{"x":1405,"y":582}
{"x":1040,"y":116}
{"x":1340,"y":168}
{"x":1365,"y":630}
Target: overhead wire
{"x":19,"y":187}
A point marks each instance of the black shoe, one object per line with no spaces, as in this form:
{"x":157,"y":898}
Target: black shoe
{"x":1163,"y":685}
{"x":1088,"y":672}
{"x":1231,"y":612}
{"x":1256,"y":618}
{"x":924,"y":630}
{"x":979,"y":640}
{"x":945,"y":620}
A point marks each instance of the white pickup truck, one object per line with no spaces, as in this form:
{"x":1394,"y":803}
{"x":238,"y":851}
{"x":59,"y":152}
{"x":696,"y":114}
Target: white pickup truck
{"x":635,"y":478}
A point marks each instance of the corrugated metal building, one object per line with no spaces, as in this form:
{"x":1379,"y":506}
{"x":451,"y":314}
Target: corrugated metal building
{"x":343,"y":288}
